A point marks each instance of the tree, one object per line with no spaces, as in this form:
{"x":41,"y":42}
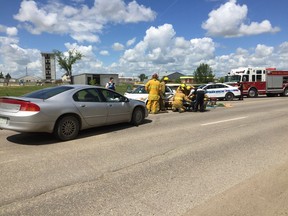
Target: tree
{"x":1,"y":75}
{"x":66,"y":62}
{"x":142,"y":77}
{"x":221,"y":79}
{"x":204,"y":74}
{"x":7,"y":78}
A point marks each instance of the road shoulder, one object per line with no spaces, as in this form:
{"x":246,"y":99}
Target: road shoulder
{"x":265,"y":194}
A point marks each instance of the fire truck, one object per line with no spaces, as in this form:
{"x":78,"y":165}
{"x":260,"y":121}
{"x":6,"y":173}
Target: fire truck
{"x":259,"y":81}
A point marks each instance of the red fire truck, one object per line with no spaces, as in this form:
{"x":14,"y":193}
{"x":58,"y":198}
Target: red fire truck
{"x":259,"y":81}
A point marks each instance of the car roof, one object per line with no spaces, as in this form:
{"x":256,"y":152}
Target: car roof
{"x":79,"y":86}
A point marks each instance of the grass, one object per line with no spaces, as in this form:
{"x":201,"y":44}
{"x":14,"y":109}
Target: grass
{"x":21,"y":90}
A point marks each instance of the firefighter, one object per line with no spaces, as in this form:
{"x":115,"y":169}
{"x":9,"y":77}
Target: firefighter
{"x":187,"y":104}
{"x":188,"y":88}
{"x":153,"y":88}
{"x":162,"y":93}
{"x":178,"y":101}
{"x":181,"y":87}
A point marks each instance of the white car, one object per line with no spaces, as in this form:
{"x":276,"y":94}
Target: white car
{"x":221,"y":91}
{"x":141,"y":94}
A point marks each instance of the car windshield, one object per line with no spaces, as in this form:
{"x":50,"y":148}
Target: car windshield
{"x":48,"y":92}
{"x":140,"y":90}
{"x":201,"y":86}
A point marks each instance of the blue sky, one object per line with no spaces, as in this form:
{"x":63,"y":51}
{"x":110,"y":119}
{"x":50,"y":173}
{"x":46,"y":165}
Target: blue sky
{"x":144,"y":36}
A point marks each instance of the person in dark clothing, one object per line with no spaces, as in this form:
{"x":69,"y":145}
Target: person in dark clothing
{"x":111,"y":84}
{"x":200,"y":96}
{"x":240,"y":87}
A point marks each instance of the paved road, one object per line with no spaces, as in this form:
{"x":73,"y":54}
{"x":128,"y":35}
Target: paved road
{"x":174,"y":164}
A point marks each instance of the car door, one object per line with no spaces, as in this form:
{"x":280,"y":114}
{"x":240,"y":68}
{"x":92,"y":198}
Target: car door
{"x":118,"y":107}
{"x":92,"y":107}
{"x":220,"y":90}
{"x":210,"y":91}
{"x":168,"y":92}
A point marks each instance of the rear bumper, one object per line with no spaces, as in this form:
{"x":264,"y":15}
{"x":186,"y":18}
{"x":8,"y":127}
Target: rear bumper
{"x":27,"y":126}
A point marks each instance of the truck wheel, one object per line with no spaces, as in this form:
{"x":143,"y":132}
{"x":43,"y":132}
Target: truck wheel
{"x":229,"y":96}
{"x":285,"y":93}
{"x":252,"y":93}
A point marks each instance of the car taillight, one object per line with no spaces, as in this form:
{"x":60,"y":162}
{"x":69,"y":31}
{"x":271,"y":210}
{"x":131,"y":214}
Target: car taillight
{"x":28,"y":106}
{"x":24,"y":105}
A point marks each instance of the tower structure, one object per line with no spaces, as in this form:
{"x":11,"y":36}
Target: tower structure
{"x":49,"y":66}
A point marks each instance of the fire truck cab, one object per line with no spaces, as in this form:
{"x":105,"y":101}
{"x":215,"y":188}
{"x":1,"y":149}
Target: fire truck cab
{"x":259,"y":81}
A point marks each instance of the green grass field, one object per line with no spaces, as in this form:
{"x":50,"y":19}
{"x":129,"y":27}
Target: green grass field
{"x":21,"y":90}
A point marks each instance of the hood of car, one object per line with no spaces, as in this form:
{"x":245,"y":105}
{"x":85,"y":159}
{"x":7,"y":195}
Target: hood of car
{"x":141,"y":97}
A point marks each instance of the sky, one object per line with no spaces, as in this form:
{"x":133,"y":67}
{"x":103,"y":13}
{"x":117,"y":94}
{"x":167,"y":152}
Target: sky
{"x":132,"y":37}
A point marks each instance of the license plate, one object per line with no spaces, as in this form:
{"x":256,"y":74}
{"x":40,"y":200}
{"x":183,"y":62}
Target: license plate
{"x":3,"y":121}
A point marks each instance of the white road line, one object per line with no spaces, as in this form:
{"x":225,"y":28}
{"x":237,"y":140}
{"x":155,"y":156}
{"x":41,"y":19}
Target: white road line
{"x":227,"y":120}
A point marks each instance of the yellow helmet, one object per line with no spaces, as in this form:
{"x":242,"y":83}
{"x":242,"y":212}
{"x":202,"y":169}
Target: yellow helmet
{"x":183,"y":86}
{"x":165,"y":78}
{"x":188,"y":87}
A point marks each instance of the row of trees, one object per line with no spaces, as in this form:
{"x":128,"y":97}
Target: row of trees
{"x":6,"y":78}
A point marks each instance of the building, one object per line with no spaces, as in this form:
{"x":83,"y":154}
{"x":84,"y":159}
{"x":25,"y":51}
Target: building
{"x":96,"y":79}
{"x":29,"y":79}
{"x":187,"y":79}
{"x":49,"y":66}
{"x":130,"y":80}
{"x":173,"y":77}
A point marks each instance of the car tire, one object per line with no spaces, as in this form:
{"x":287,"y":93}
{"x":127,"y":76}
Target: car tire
{"x":229,"y":96}
{"x":137,"y":116}
{"x":67,"y":128}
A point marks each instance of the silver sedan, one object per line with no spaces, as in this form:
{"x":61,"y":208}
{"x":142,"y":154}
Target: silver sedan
{"x":67,"y":109}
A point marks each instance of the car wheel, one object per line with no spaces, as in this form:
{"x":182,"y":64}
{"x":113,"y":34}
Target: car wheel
{"x":229,"y":96}
{"x":137,"y":116}
{"x":252,"y":93}
{"x":67,"y":128}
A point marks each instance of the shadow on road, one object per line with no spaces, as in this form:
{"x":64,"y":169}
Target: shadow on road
{"x":47,"y":139}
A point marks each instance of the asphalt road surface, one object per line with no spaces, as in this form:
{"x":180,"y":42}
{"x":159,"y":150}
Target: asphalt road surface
{"x":226,"y":161}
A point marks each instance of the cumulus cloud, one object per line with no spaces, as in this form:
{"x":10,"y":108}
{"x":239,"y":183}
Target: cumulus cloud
{"x":130,"y":42}
{"x":104,"y":52}
{"x":40,"y":18}
{"x":18,"y":59}
{"x":159,"y":50}
{"x":162,"y":48}
{"x":78,"y":20}
{"x":118,"y":46}
{"x":10,"y":31}
{"x":229,"y":21}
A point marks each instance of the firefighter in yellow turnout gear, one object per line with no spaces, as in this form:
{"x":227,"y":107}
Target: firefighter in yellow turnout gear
{"x":178,"y":100}
{"x":162,"y":93}
{"x":153,"y":88}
